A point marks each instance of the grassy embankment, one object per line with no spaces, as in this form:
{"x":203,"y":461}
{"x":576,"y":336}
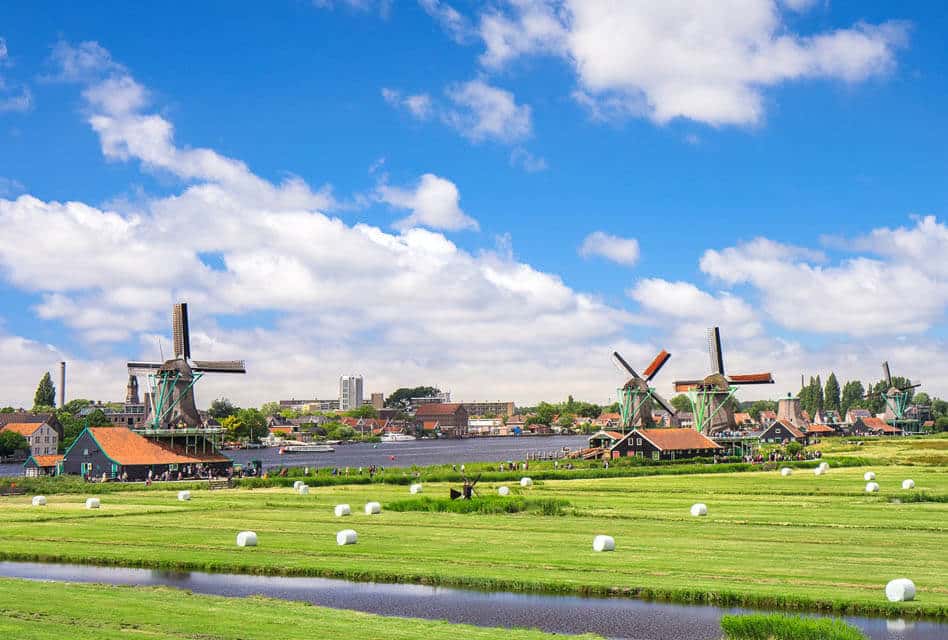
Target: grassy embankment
{"x":800,"y":542}
{"x":43,"y":611}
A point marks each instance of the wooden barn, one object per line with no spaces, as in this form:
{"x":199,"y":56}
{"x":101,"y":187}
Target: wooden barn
{"x":605,"y":439}
{"x":665,"y":444}
{"x":781,"y":432}
{"x":119,"y":452}
{"x":874,"y":427}
{"x":36,"y":466}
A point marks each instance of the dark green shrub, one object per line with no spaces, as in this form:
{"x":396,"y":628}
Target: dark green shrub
{"x":781,"y":627}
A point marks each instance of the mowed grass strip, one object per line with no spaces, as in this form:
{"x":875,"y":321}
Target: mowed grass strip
{"x":801,"y":542}
{"x":52,"y":611}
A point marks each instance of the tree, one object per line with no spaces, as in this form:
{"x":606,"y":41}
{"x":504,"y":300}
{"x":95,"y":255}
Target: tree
{"x":401,"y":397}
{"x":759,"y":406}
{"x":11,"y":442}
{"x":73,"y":407}
{"x":45,"y":392}
{"x":681,"y":403}
{"x":941,"y":423}
{"x":831,"y":393}
{"x":72,"y":427}
{"x":817,"y":396}
{"x":566,"y":420}
{"x":939,"y":407}
{"x":98,"y":419}
{"x":270,"y":409}
{"x":365,"y":411}
{"x":7,"y":410}
{"x":851,"y":397}
{"x":922,"y":398}
{"x":221,"y":408}
{"x":254,"y":421}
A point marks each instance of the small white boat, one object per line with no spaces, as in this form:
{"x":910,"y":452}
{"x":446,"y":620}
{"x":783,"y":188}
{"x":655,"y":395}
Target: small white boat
{"x":396,"y":437}
{"x":307,"y":448}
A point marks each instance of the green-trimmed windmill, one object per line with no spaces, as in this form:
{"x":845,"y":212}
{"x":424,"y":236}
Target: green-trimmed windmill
{"x":635,"y":396}
{"x":709,"y":397}
{"x":897,"y":402}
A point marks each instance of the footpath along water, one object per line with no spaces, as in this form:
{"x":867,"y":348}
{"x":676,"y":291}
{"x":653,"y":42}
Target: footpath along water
{"x":610,"y":617}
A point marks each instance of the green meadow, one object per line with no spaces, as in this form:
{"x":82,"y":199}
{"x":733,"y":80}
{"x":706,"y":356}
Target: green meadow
{"x":799,"y":542}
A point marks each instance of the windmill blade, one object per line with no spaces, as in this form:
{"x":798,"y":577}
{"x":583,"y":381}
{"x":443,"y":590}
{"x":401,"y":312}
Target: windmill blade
{"x":910,"y":386}
{"x":455,"y":494}
{"x":180,"y":331}
{"x":664,"y":403}
{"x":219,"y":366}
{"x":751,"y":378}
{"x":622,"y":365}
{"x":714,"y":350}
{"x":886,"y":373}
{"x":652,"y":370}
{"x":476,"y":480}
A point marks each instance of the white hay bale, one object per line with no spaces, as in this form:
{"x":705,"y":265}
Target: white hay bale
{"x":699,"y":509}
{"x":372,"y":508}
{"x":503,"y":491}
{"x":900,"y":590}
{"x":415,"y":488}
{"x":184,"y":496}
{"x":819,"y":471}
{"x":786,"y":471}
{"x":872,"y":487}
{"x":39,"y":501}
{"x":303,"y":490}
{"x":526,"y":482}
{"x":869,"y":476}
{"x":93,"y":503}
{"x":342,"y":510}
{"x":247,"y":539}
{"x":604,"y":543}
{"x":297,"y":484}
{"x":908,"y":484}
{"x":346,"y":536}
{"x":825,"y":466}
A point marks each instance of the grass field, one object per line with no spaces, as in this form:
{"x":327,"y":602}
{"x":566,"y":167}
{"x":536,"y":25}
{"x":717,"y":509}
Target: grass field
{"x":43,"y":611}
{"x":801,"y":542}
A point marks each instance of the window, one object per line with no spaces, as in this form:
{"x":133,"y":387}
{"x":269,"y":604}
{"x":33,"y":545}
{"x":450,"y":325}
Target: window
{"x":85,"y":452}
{"x":655,"y":455}
{"x":638,"y":442}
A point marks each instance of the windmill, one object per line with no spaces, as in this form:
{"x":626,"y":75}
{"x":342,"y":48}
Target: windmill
{"x":635,"y":396}
{"x":467,"y":490}
{"x":896,"y":401}
{"x":170,"y":401}
{"x":709,"y":397}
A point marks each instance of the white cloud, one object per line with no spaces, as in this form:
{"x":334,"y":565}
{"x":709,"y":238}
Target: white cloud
{"x":453,"y":22}
{"x":434,"y":202}
{"x":12,"y":99}
{"x":623,"y":251}
{"x":530,"y":163}
{"x":707,"y":61}
{"x":477,"y":110}
{"x":10,"y":187}
{"x":858,"y":296}
{"x":382,"y":7}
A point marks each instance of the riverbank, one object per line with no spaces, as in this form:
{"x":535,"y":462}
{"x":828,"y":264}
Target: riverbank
{"x":804,"y":542}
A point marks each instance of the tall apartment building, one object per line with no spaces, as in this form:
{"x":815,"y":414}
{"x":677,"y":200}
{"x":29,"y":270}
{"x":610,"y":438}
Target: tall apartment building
{"x":504,"y":409}
{"x":350,"y":392}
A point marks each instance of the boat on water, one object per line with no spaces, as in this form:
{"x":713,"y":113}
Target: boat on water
{"x":306,"y":448}
{"x":397,"y":437}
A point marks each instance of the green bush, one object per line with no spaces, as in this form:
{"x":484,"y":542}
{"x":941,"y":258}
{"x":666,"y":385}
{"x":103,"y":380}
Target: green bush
{"x":485,"y":505}
{"x":781,"y":627}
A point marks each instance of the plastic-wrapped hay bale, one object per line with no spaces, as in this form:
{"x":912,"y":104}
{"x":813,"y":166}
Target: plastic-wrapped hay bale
{"x":699,"y":509}
{"x":526,"y":482}
{"x":342,"y":510}
{"x":93,"y":503}
{"x":869,"y":475}
{"x":415,"y":488}
{"x":503,"y":491}
{"x":872,"y":487}
{"x":908,"y":484}
{"x":372,"y":508}
{"x":900,"y":590}
{"x":604,"y":543}
{"x":786,"y":471}
{"x":39,"y":501}
{"x":247,"y":539}
{"x":303,"y":490}
{"x":819,"y":471}
{"x":297,"y":484}
{"x":825,"y":466}
{"x":346,"y":536}
{"x":184,"y":496}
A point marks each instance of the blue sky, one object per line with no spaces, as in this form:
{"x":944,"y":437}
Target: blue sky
{"x":791,"y":146}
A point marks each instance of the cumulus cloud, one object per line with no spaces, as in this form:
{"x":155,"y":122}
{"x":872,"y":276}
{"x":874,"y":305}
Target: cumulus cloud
{"x":530,"y":163}
{"x":707,"y":61}
{"x":381,"y":7}
{"x":418,"y":105}
{"x":453,"y":22}
{"x":623,"y":251}
{"x":434,"y":202}
{"x":16,"y":98}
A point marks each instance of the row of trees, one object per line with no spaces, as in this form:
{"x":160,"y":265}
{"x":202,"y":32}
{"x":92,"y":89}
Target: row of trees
{"x":816,"y":396}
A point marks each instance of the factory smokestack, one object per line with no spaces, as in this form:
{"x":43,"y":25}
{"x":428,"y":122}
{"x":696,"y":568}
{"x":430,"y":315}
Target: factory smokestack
{"x":62,"y":384}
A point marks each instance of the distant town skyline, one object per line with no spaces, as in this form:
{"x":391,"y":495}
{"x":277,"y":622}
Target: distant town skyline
{"x":487,"y":199}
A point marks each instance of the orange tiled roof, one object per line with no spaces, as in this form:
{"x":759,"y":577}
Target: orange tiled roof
{"x":23,"y":428}
{"x":820,"y":428}
{"x":281,"y":429}
{"x":47,"y":461}
{"x":430,"y":425}
{"x":677,"y":439}
{"x":878,"y":424}
{"x":741,"y":418}
{"x":128,"y":448}
{"x":438,"y":409}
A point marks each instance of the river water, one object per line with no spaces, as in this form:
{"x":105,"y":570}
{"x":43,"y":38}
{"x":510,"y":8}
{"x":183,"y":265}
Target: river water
{"x":610,"y":617}
{"x":413,"y":452}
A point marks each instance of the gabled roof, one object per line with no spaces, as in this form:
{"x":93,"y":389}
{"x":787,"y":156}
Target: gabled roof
{"x":614,"y":435}
{"x":24,"y":417}
{"x":741,"y":418}
{"x":125,"y":447}
{"x":768,"y":414}
{"x":675,"y":439}
{"x":878,"y":424}
{"x":796,"y":433}
{"x":820,"y":428}
{"x":44,"y":461}
{"x":438,"y":409}
{"x":23,"y":428}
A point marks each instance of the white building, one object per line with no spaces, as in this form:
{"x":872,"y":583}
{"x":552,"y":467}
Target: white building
{"x":350,"y":392}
